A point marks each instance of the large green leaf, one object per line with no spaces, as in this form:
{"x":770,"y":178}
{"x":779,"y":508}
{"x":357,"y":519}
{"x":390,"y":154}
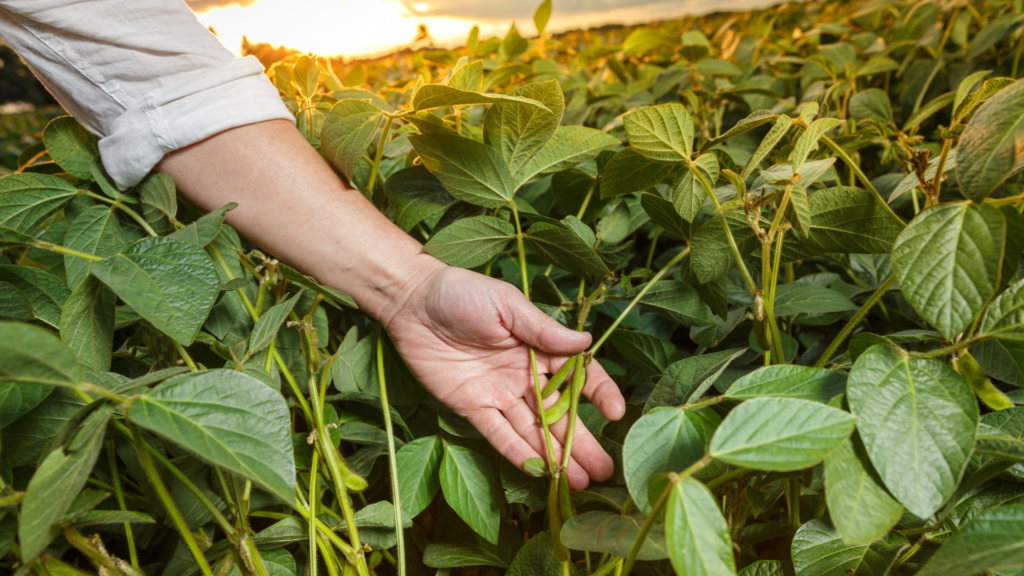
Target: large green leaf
{"x":663,"y":213}
{"x":419,"y":466}
{"x":609,"y":533}
{"x":805,"y":298}
{"x":71,"y":146}
{"x":696,"y":534}
{"x":990,"y":542}
{"x":417,"y":194}
{"x":159,"y":202}
{"x":663,"y":440}
{"x":95,"y":231}
{"x":991,"y":149}
{"x":629,"y":171}
{"x":689,"y":194}
{"x":470,"y":242}
{"x":562,"y":247}
{"x":44,"y":291}
{"x":711,"y":256}
{"x":472,"y":489}
{"x":678,"y":302}
{"x":780,"y":434}
{"x":470,"y":171}
{"x":918,"y":419}
{"x":18,"y":398}
{"x":14,"y":305}
{"x":1002,"y":360}
{"x":998,"y":425}
{"x":774,"y":136}
{"x":819,"y":551}
{"x":858,"y":504}
{"x":347,"y":131}
{"x":32,"y":356}
{"x":643,"y":349}
{"x":871,"y":104}
{"x":56,"y":483}
{"x":87,"y":324}
{"x":950,"y":261}
{"x":205,"y":229}
{"x":845,"y":220}
{"x":536,"y":557}
{"x":519,"y":131}
{"x":569,"y":146}
{"x":230,"y":420}
{"x":1005,"y":317}
{"x":27,"y":200}
{"x":663,"y":132}
{"x":439,"y":96}
{"x":786,"y":381}
{"x":171,"y":284}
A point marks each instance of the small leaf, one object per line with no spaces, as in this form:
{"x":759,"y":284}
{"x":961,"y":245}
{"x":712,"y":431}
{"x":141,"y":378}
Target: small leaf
{"x":419,"y":466}
{"x":71,"y":146}
{"x":562,"y":247}
{"x":871,"y":104}
{"x":696,"y":534}
{"x":711,"y":256}
{"x":159,"y":202}
{"x":769,"y":142}
{"x":663,"y":440}
{"x":808,"y":141}
{"x":756,"y":118}
{"x":27,"y":200}
{"x":804,"y":382}
{"x":204,"y":230}
{"x":417,"y":194}
{"x":844,"y":220}
{"x":336,"y":297}
{"x":629,"y":171}
{"x":470,"y":242}
{"x":804,"y":298}
{"x":780,"y":434}
{"x":663,"y":132}
{"x":609,"y":533}
{"x":819,"y":551}
{"x":992,"y":541}
{"x":45,"y":292}
{"x":470,"y":171}
{"x":645,"y":350}
{"x":798,"y":211}
{"x":87,"y":324}
{"x":687,"y":380}
{"x":228,"y":419}
{"x":469,"y":77}
{"x":433,"y":96}
{"x":689,"y":194}
{"x":678,"y":302}
{"x":664,"y":214}
{"x":1005,"y":317}
{"x":346,"y":133}
{"x":990,"y":148}
{"x":471,"y":488}
{"x":858,"y":504}
{"x":266,"y":328}
{"x":536,"y":557}
{"x":95,"y":231}
{"x":30,"y":355}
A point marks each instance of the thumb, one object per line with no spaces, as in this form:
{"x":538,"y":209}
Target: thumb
{"x":531,"y":325}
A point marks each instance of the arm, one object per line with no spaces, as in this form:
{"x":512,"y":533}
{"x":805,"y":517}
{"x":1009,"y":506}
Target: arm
{"x":462,"y":334}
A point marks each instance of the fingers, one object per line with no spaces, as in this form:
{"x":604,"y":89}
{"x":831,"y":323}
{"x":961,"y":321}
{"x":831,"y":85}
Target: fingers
{"x":529,"y":324}
{"x":587,"y":451}
{"x":524,"y":420}
{"x":497,"y":430}
{"x":604,"y":392}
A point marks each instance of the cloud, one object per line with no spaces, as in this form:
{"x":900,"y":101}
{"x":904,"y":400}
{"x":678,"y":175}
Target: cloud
{"x":205,"y":5}
{"x":518,"y":9}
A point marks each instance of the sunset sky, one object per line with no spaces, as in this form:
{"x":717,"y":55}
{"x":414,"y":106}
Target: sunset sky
{"x":367,"y":27}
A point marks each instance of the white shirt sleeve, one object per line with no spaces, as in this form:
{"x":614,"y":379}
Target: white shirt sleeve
{"x":144,"y":75}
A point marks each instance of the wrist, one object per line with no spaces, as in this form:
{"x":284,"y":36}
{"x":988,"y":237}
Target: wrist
{"x":397,"y":287}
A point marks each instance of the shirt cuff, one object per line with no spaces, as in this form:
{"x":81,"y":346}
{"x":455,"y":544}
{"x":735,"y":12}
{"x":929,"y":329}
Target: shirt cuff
{"x":188,"y":108}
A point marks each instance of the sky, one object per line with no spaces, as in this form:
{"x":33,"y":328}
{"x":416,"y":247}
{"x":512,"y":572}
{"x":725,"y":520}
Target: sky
{"x":355,"y":28}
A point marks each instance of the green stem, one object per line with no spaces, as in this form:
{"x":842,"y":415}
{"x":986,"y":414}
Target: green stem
{"x":380,"y":153}
{"x":314,"y":497}
{"x":112,"y":460}
{"x":117,"y":204}
{"x":58,"y":248}
{"x":643,"y":292}
{"x":838,"y":150}
{"x":579,"y":377}
{"x":751,"y":285}
{"x":294,"y":385}
{"x":392,"y":458}
{"x":968,"y":343}
{"x":654,"y":244}
{"x":586,"y":199}
{"x":168,"y":502}
{"x":727,"y":477}
{"x":184,"y":354}
{"x":857,"y":317}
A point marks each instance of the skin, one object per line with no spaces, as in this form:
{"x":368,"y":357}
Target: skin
{"x":464,"y":335}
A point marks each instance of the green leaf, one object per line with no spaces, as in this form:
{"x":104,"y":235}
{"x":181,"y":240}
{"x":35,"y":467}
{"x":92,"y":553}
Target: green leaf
{"x":663,"y":132}
{"x":519,"y":131}
{"x":664,"y":214}
{"x":14,"y":305}
{"x":27,"y":200}
{"x":918,"y":419}
{"x":1001,"y":446}
{"x":995,"y":31}
{"x":808,"y":141}
{"x":1005,"y":317}
{"x":965,"y":87}
{"x":871,"y":104}
{"x":687,"y":380}
{"x":87,"y":324}
{"x":56,"y":484}
{"x":1001,"y":360}
{"x":95,"y":231}
{"x":798,"y":211}
{"x":990,"y":150}
{"x":927,"y":111}
{"x":689,"y":194}
{"x":696,"y":534}
{"x":266,"y":328}
{"x":204,"y":230}
{"x":470,"y":171}
{"x":629,"y":171}
{"x":911,"y":182}
{"x":804,"y":382}
{"x":336,"y":297}
{"x":346,"y":133}
{"x":780,"y":434}
{"x":991,"y":541}
{"x":417,"y":195}
{"x":710,"y":255}
{"x":609,"y":533}
{"x":569,"y":146}
{"x":1009,"y":422}
{"x":469,"y":76}
{"x":845,"y":220}
{"x":644,"y":40}
{"x":804,"y":298}
{"x":614,"y":227}
{"x":433,"y":96}
{"x":228,"y":419}
{"x":71,"y":146}
{"x":756,"y":118}
{"x":171,"y":284}
{"x":18,"y":398}
{"x":536,"y":557}
{"x":419,"y":466}
{"x":30,"y":356}
{"x":979,"y":97}
{"x":463,"y":554}
{"x":663,"y":440}
{"x":949,"y":262}
{"x":159,"y":202}
{"x":676,"y":301}
{"x":643,"y":349}
{"x":470,"y":242}
{"x":44,"y":291}
{"x":14,"y":239}
{"x":768,"y":143}
{"x":819,"y":551}
{"x":562,"y":247}
{"x":471,"y":488}
{"x":858,"y":504}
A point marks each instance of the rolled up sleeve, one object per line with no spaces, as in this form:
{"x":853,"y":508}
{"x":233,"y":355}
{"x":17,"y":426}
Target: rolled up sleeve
{"x":144,"y":75}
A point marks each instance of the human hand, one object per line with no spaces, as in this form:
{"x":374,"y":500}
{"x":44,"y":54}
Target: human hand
{"x":466,"y":337}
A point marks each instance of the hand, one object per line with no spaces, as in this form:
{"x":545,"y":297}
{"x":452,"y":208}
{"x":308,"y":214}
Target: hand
{"x":466,"y":337}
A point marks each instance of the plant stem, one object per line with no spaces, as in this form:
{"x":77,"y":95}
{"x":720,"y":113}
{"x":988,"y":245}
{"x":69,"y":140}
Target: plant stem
{"x":727,"y":477}
{"x":586,"y":199}
{"x":112,"y":460}
{"x":294,"y":385}
{"x":533,"y":355}
{"x":380,"y":153}
{"x":168,"y":502}
{"x":654,"y":244}
{"x":58,"y":248}
{"x":184,"y":354}
{"x":857,"y":317}
{"x":643,"y":292}
{"x":656,"y":510}
{"x":751,"y":286}
{"x":314,"y":497}
{"x":131,"y":213}
{"x":968,"y":343}
{"x":392,"y":459}
{"x":579,"y":377}
{"x":861,"y":176}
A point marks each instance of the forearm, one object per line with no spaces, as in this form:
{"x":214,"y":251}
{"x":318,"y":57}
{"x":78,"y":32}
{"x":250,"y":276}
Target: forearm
{"x":292,"y":205}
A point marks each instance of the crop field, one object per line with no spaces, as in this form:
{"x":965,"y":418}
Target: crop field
{"x":795,"y":235}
